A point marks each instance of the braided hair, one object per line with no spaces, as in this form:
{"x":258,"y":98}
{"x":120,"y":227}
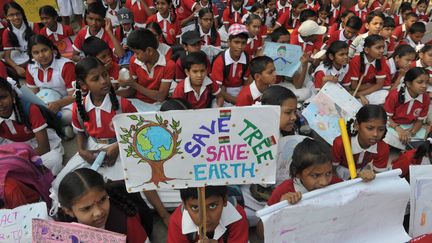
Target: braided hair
{"x":17,"y":107}
{"x":11,"y":35}
{"x":40,"y":39}
{"x":368,"y":43}
{"x":410,"y":76}
{"x":365,"y":114}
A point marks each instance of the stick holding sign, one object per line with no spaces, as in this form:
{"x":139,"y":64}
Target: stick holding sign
{"x":346,"y":145}
{"x":202,"y":213}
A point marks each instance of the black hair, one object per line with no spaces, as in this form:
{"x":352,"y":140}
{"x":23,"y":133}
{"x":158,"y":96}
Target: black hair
{"x":389,"y":23}
{"x":424,"y":149}
{"x":92,"y":46}
{"x":272,"y":14}
{"x":96,"y":8}
{"x":426,"y":48}
{"x":142,"y":39}
{"x":423,"y":2}
{"x":82,"y":68}
{"x":410,"y":76}
{"x":194,"y":58}
{"x":17,"y":107}
{"x":344,"y":15}
{"x":259,"y":64}
{"x":294,"y":5}
{"x":369,"y":42}
{"x":231,"y":14}
{"x":307,"y":14}
{"x":411,"y":15}
{"x":405,"y":6}
{"x":251,"y":18}
{"x":76,"y":184}
{"x":376,"y":13}
{"x":403,"y":50}
{"x":11,"y":35}
{"x":325,"y":7}
{"x":175,"y":104}
{"x":192,"y":192}
{"x":365,"y":114}
{"x":40,"y":39}
{"x":213,"y":31}
{"x":332,"y":50}
{"x":354,"y":22}
{"x":276,"y":95}
{"x":278,"y":32}
{"x":50,"y":11}
{"x":307,"y":153}
{"x":156,"y":27}
{"x":417,"y":27}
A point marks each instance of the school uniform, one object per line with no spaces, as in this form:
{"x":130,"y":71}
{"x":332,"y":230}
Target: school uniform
{"x":336,"y":11}
{"x":180,"y":74}
{"x":198,"y":100}
{"x":18,"y":53}
{"x":138,"y":11}
{"x":62,"y":32}
{"x":323,"y":70}
{"x":249,"y":95}
{"x":112,"y":15}
{"x":393,"y":70}
{"x":357,"y":45}
{"x":3,"y":26}
{"x":171,"y":30}
{"x":405,"y":160}
{"x":162,"y":72}
{"x":376,"y":5}
{"x":284,"y":20}
{"x":283,"y":8}
{"x":213,"y":8}
{"x":12,"y":131}
{"x":361,"y":13}
{"x":236,"y":15}
{"x":410,"y":42}
{"x":253,"y":44}
{"x":422,"y":16}
{"x":307,"y":47}
{"x":399,"y":33}
{"x":389,"y":47}
{"x":185,"y":9}
{"x":206,"y":37}
{"x":3,"y":73}
{"x":292,"y":185}
{"x":418,"y":63}
{"x":398,"y":19}
{"x":376,"y":155}
{"x":370,"y":75}
{"x":165,"y":50}
{"x":232,"y":227}
{"x":338,"y":35}
{"x":234,"y":81}
{"x":333,"y":28}
{"x":314,"y":5}
{"x":84,"y":33}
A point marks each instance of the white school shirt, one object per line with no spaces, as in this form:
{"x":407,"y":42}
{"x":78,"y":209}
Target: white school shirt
{"x":19,"y":54}
{"x":112,"y":15}
{"x":340,"y":74}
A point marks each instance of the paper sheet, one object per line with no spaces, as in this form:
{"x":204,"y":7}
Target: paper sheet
{"x":420,"y":200}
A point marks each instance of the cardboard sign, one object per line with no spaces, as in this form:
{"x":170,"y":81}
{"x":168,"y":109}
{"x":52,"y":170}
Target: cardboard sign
{"x":16,"y":224}
{"x":286,"y":57}
{"x":350,"y":211}
{"x":420,"y":200}
{"x":324,"y":110}
{"x":48,"y":231}
{"x":194,"y":148}
{"x":31,"y":8}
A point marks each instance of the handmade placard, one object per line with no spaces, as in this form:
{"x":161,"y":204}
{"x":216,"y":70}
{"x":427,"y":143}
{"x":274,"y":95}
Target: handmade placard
{"x":194,"y":148}
{"x":325,"y":109}
{"x":16,"y":224}
{"x":31,"y":8}
{"x":48,"y":231}
{"x":286,"y":57}
{"x":420,"y":200}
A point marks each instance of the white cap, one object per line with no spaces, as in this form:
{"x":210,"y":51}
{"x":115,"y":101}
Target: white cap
{"x":310,"y":27}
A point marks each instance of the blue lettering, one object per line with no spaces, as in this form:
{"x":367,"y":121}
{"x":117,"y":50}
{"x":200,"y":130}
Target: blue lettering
{"x":223,"y":167}
{"x":251,"y":170}
{"x":195,"y":150}
{"x":223,"y":127}
{"x":235,"y":166}
{"x":210,"y":130}
{"x":213,"y":170}
{"x":198,"y":172}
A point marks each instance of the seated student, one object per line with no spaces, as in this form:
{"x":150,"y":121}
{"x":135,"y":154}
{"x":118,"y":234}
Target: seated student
{"x":263,"y":72}
{"x":15,"y":38}
{"x":125,"y":19}
{"x":401,"y":15}
{"x":112,"y":8}
{"x":323,"y":15}
{"x":162,"y":48}
{"x":386,"y":32}
{"x":225,"y":222}
{"x":335,"y":65}
{"x":401,"y":31}
{"x":206,"y":27}
{"x":283,"y":6}
{"x":191,"y":42}
{"x":337,"y":11}
{"x":197,"y":88}
{"x":280,"y":35}
{"x":348,"y":33}
{"x":361,"y":9}
{"x":366,"y":133}
{"x":99,"y":27}
{"x":255,"y":42}
{"x":368,"y":72}
{"x":306,"y":14}
{"x":399,"y":63}
{"x":56,"y":32}
{"x":374,"y":24}
{"x":141,"y":10}
{"x":313,"y":5}
{"x":233,"y":13}
{"x":341,"y":22}
{"x":259,"y":9}
{"x":185,"y":12}
{"x":151,"y":72}
{"x":21,"y":121}
{"x":415,"y":35}
{"x":421,"y":9}
{"x":425,"y":61}
{"x":407,"y":108}
{"x":310,"y":37}
{"x":230,"y":69}
{"x":166,"y":19}
{"x":83,"y":196}
{"x":291,"y":19}
{"x":98,"y":48}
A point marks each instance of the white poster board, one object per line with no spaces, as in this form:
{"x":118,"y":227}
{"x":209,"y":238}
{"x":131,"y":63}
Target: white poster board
{"x":194,"y":148}
{"x":16,"y":224}
{"x":350,"y":211}
{"x":285,"y":151}
{"x":420,"y":200}
{"x":324,"y":110}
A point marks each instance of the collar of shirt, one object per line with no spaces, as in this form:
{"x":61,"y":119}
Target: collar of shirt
{"x":229,"y":60}
{"x":334,"y":10}
{"x":392,"y":66}
{"x":342,"y":36}
{"x":411,"y":42}
{"x":235,"y":11}
{"x":282,"y":7}
{"x":105,"y":106}
{"x":408,"y":97}
{"x":59,"y":30}
{"x":298,"y":186}
{"x":98,"y":35}
{"x":373,"y":63}
{"x":188,"y":86}
{"x":229,"y":216}
{"x":137,"y":2}
{"x":357,"y":9}
{"x":202,"y":32}
{"x":256,"y":94}
{"x":311,"y":5}
{"x":117,"y":8}
{"x":404,"y":28}
{"x":160,"y":18}
{"x":38,"y":66}
{"x":205,"y":6}
{"x":9,"y":123}
{"x":21,"y":30}
{"x":11,"y":118}
{"x":252,"y":39}
{"x":160,"y":62}
{"x":356,"y":148}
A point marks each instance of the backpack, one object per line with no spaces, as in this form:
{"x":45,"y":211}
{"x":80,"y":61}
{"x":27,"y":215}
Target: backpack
{"x":52,"y":120}
{"x":20,"y":161}
{"x":226,"y":69}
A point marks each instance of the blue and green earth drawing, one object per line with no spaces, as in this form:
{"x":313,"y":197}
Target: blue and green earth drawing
{"x":154,"y":143}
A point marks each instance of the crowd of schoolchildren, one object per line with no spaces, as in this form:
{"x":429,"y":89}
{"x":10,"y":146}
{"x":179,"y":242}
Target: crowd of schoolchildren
{"x":141,"y":55}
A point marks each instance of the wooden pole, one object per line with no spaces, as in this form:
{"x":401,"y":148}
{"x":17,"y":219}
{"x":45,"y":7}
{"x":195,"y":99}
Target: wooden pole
{"x":347,"y":147}
{"x":202,"y":213}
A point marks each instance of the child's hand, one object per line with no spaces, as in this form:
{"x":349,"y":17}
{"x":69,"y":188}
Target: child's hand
{"x":88,"y":155}
{"x":54,"y":107}
{"x":304,"y":59}
{"x":127,"y":82}
{"x":404,"y":135}
{"x":367,"y":175}
{"x":166,"y":219}
{"x":20,"y":71}
{"x":112,"y":153}
{"x":108,"y":25}
{"x":363,"y":100}
{"x":292,"y":197}
{"x":330,"y":78}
